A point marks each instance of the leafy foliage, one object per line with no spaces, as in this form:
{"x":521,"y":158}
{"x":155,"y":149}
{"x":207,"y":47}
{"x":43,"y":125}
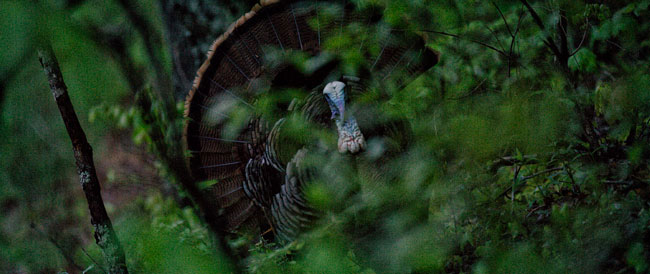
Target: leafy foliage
{"x":521,"y":160}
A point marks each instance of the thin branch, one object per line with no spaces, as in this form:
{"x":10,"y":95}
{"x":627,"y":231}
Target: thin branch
{"x":496,"y":37}
{"x":619,"y":182}
{"x":504,"y":19}
{"x":541,"y":172}
{"x":515,"y":181}
{"x":512,"y":35}
{"x":564,"y":42}
{"x":584,"y":35}
{"x":105,"y":236}
{"x":65,"y":252}
{"x":512,"y":42}
{"x":471,"y":40}
{"x":534,"y":14}
{"x":512,"y":160}
{"x":471,"y":92}
{"x":567,"y":169}
{"x":524,"y":179}
{"x":91,"y":258}
{"x":534,"y":210}
{"x":626,"y":184}
{"x":547,"y":41}
{"x":615,"y":44}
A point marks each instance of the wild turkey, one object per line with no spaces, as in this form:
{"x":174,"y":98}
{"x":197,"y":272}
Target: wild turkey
{"x":258,"y":170}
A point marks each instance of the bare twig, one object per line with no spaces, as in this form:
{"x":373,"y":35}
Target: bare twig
{"x":616,"y":45}
{"x":547,"y":41}
{"x":496,"y":37}
{"x":584,"y":35}
{"x":185,"y":80}
{"x":564,"y":43}
{"x":504,"y":19}
{"x":471,"y":40}
{"x":618,"y":182}
{"x":534,"y":14}
{"x":534,"y":210}
{"x":524,"y":179}
{"x":91,"y":258}
{"x":471,"y":92}
{"x":512,"y":42}
{"x":541,"y":172}
{"x":512,"y":160}
{"x":105,"y":236}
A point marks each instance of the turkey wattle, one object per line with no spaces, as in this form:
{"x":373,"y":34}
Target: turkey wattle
{"x":350,"y":136}
{"x":258,"y":175}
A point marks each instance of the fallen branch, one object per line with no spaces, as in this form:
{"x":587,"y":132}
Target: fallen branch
{"x":105,"y":236}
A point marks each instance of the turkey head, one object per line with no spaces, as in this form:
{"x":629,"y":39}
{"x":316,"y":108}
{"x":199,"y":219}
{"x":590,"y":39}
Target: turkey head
{"x":350,"y":137}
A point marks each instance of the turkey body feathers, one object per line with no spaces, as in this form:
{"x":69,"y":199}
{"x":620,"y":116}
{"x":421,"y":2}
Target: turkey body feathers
{"x":253,"y":187}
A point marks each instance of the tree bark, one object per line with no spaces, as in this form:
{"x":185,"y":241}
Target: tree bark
{"x":105,"y":236}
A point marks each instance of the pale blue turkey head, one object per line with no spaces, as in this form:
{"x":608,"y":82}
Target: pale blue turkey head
{"x":350,"y":137}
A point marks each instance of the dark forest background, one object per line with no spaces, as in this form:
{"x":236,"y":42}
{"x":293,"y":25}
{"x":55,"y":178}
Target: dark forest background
{"x":530,"y":151}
